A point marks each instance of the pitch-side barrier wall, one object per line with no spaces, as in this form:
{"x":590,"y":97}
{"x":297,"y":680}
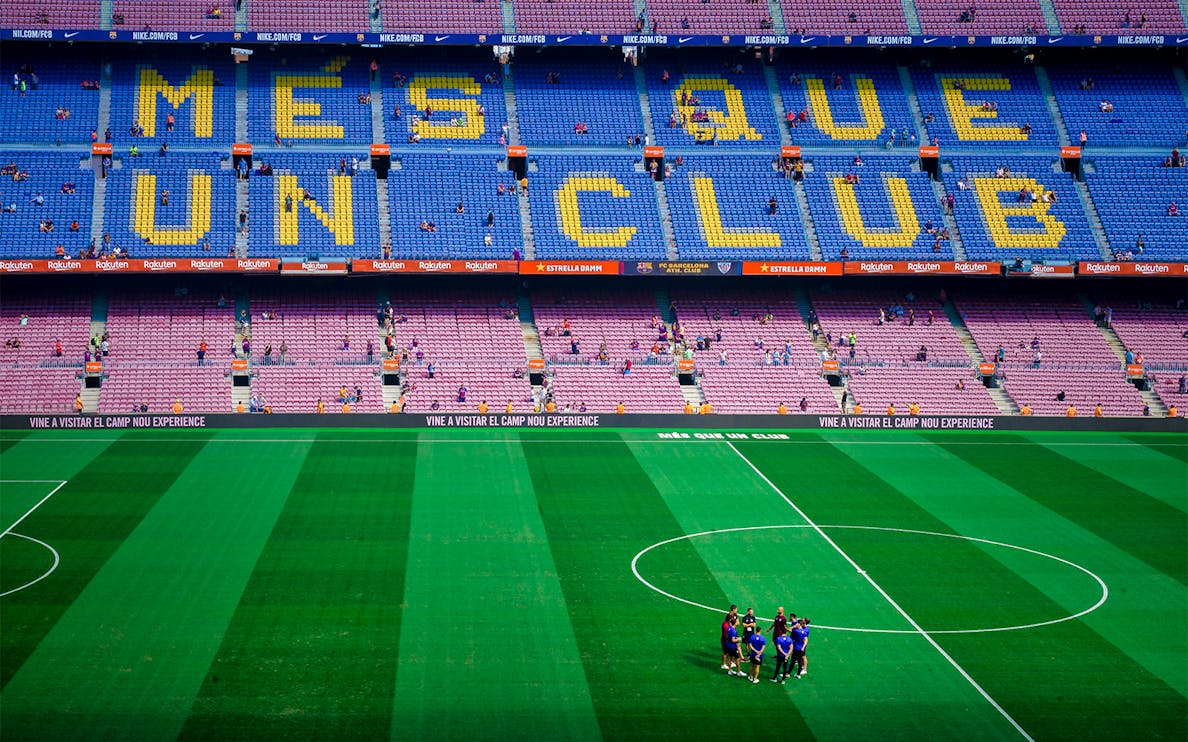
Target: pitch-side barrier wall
{"x":680,"y":425}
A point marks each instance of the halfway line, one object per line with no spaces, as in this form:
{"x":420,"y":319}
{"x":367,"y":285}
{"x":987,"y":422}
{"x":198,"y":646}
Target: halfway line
{"x":888,"y":598}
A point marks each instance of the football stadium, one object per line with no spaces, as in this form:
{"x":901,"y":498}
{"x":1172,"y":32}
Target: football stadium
{"x":527,"y":369}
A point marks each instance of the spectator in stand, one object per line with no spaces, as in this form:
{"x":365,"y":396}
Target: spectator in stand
{"x":202,"y":353}
{"x":462,"y":393}
{"x":1173,"y":209}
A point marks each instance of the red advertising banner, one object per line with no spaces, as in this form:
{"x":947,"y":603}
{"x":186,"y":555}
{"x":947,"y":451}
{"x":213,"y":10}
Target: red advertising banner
{"x":1134,"y":370}
{"x":1132,"y":269}
{"x":790,"y":268}
{"x":391,"y":364}
{"x":917,"y":267}
{"x":241,"y":149}
{"x":360,"y":265}
{"x":101,"y":148}
{"x":685,"y":364}
{"x":378,"y":150}
{"x":1070,"y":153}
{"x":138,"y":265}
{"x":929,"y":150}
{"x":1047,"y":271}
{"x":570,"y":267}
{"x":239,"y":364}
{"x":536,"y":364}
{"x":790,"y":150}
{"x":829,"y":367}
{"x":314,"y":268}
{"x":517,"y":150}
{"x":986,"y":369}
{"x":93,"y":367}
{"x":652,"y":151}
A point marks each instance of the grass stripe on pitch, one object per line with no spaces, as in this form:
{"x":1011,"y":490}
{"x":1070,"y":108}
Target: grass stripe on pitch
{"x":86,"y":521}
{"x":1059,"y":681}
{"x":1152,"y":530}
{"x":128,"y":657}
{"x":311,"y":650}
{"x":489,"y":652}
{"x":650,"y":662}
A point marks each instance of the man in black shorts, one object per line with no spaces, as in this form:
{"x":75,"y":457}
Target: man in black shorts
{"x":748,"y":626}
{"x":730,"y":649}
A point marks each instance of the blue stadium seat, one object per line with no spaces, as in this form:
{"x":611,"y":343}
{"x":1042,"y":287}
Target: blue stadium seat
{"x":1149,"y":109}
{"x":738,"y":104}
{"x":199,"y":92}
{"x":20,"y":235}
{"x":314,"y":100}
{"x":32,"y":117}
{"x":847,"y":119}
{"x":1131,"y":195}
{"x":454,"y":90}
{"x":960,"y":120}
{"x":601,"y":95}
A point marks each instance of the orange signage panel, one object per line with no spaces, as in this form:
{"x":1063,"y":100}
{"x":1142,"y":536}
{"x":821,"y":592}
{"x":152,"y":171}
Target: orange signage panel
{"x":1070,"y":152}
{"x":391,"y":364}
{"x":536,"y":364}
{"x":790,"y":150}
{"x":241,"y":149}
{"x":517,"y":150}
{"x":829,"y":366}
{"x":239,"y":364}
{"x":1134,"y":369}
{"x":101,"y":148}
{"x":684,"y":364}
{"x":653,"y":151}
{"x":378,"y":150}
{"x":986,"y":369}
{"x":929,"y":150}
{"x":94,"y":367}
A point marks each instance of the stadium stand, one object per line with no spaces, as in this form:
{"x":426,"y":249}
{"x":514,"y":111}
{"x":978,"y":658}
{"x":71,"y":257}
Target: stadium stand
{"x":1147,"y":107}
{"x":602,"y":96}
{"x":994,"y":16}
{"x":291,"y":15}
{"x":200,"y":212}
{"x":25,"y":222}
{"x":741,"y":318}
{"x":167,"y":328}
{"x":607,"y":322}
{"x":896,"y":341}
{"x":602,"y":388}
{"x":429,"y":187}
{"x":186,"y":15}
{"x":55,"y":108}
{"x":199,"y":388}
{"x":1154,"y":329}
{"x":496,"y":384}
{"x":759,"y":390}
{"x":891,"y":211}
{"x":1132,"y":195}
{"x":844,"y":105}
{"x":313,"y":327}
{"x":543,"y":16}
{"x":313,"y":100}
{"x":989,"y":106}
{"x":833,"y":16}
{"x":721,"y":210}
{"x":199,"y":94}
{"x":1075,"y":357}
{"x":936,"y":390}
{"x":53,"y":391}
{"x":708,"y":16}
{"x":339,"y":219}
{"x":443,"y":16}
{"x":1102,"y":17}
{"x":722,"y":100}
{"x":296,"y":389}
{"x":465,"y":95}
{"x":50,"y":13}
{"x":996,"y":225}
{"x":594,"y":207}
{"x":50,"y":320}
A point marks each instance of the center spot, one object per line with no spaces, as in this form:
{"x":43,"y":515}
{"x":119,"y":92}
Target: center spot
{"x":795,"y":567}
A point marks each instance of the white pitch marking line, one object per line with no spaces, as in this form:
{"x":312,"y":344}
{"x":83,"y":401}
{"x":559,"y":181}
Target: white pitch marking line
{"x":1105,"y":591}
{"x":648,"y":441}
{"x":50,"y":571}
{"x":889,"y":599}
{"x":54,"y":491}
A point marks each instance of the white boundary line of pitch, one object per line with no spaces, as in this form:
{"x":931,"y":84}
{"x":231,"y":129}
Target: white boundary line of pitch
{"x":927,"y":637}
{"x":9,"y":531}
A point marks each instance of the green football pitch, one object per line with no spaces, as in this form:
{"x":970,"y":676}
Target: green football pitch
{"x":355,"y":584}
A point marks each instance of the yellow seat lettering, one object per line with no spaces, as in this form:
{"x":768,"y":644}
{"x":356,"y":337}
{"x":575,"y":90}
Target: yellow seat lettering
{"x":571,"y":216}
{"x":730,"y":124}
{"x":902,"y":234}
{"x":717,"y":235}
{"x":287,"y":108}
{"x":989,"y":191}
{"x":150,"y":86}
{"x":470,"y":124}
{"x":144,"y":210}
{"x":963,"y":113}
{"x":340,"y":220}
{"x":868,"y":101}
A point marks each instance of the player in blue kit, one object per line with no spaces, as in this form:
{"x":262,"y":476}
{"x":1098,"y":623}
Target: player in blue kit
{"x":758,"y":645}
{"x":800,"y":637}
{"x":783,"y":658}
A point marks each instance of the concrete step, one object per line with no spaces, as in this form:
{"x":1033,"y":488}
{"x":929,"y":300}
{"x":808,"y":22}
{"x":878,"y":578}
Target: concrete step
{"x":241,"y":102}
{"x":645,"y":104}
{"x":1152,"y":400}
{"x":841,"y":395}
{"x":806,"y":218}
{"x":663,"y":307}
{"x":1094,"y":219}
{"x":909,"y":88}
{"x":526,"y":225}
{"x":242,"y":206}
{"x":1045,"y":84}
{"x":777,"y":99}
{"x":383,"y":210}
{"x":912,"y":16}
{"x":98,"y":204}
{"x":958,"y":245}
{"x":777,"y":17}
{"x":376,"y":88}
{"x":1181,"y":76}
{"x":241,"y":16}
{"x":105,"y":7}
{"x":1003,"y":401}
{"x":670,"y":243}
{"x":1050,"y":18}
{"x":509,"y":99}
{"x":693,"y":394}
{"x":509,"y":16}
{"x":532,"y":347}
{"x":240,"y":393}
{"x":90,"y":397}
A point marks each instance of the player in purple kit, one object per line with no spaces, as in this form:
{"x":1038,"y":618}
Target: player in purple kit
{"x":758,"y":646}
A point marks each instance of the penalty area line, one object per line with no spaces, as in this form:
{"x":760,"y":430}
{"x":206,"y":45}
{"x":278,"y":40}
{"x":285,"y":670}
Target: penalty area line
{"x":919,"y":629}
{"x":54,"y":491}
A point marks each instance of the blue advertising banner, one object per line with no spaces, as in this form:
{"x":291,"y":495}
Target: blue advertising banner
{"x":523,"y":39}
